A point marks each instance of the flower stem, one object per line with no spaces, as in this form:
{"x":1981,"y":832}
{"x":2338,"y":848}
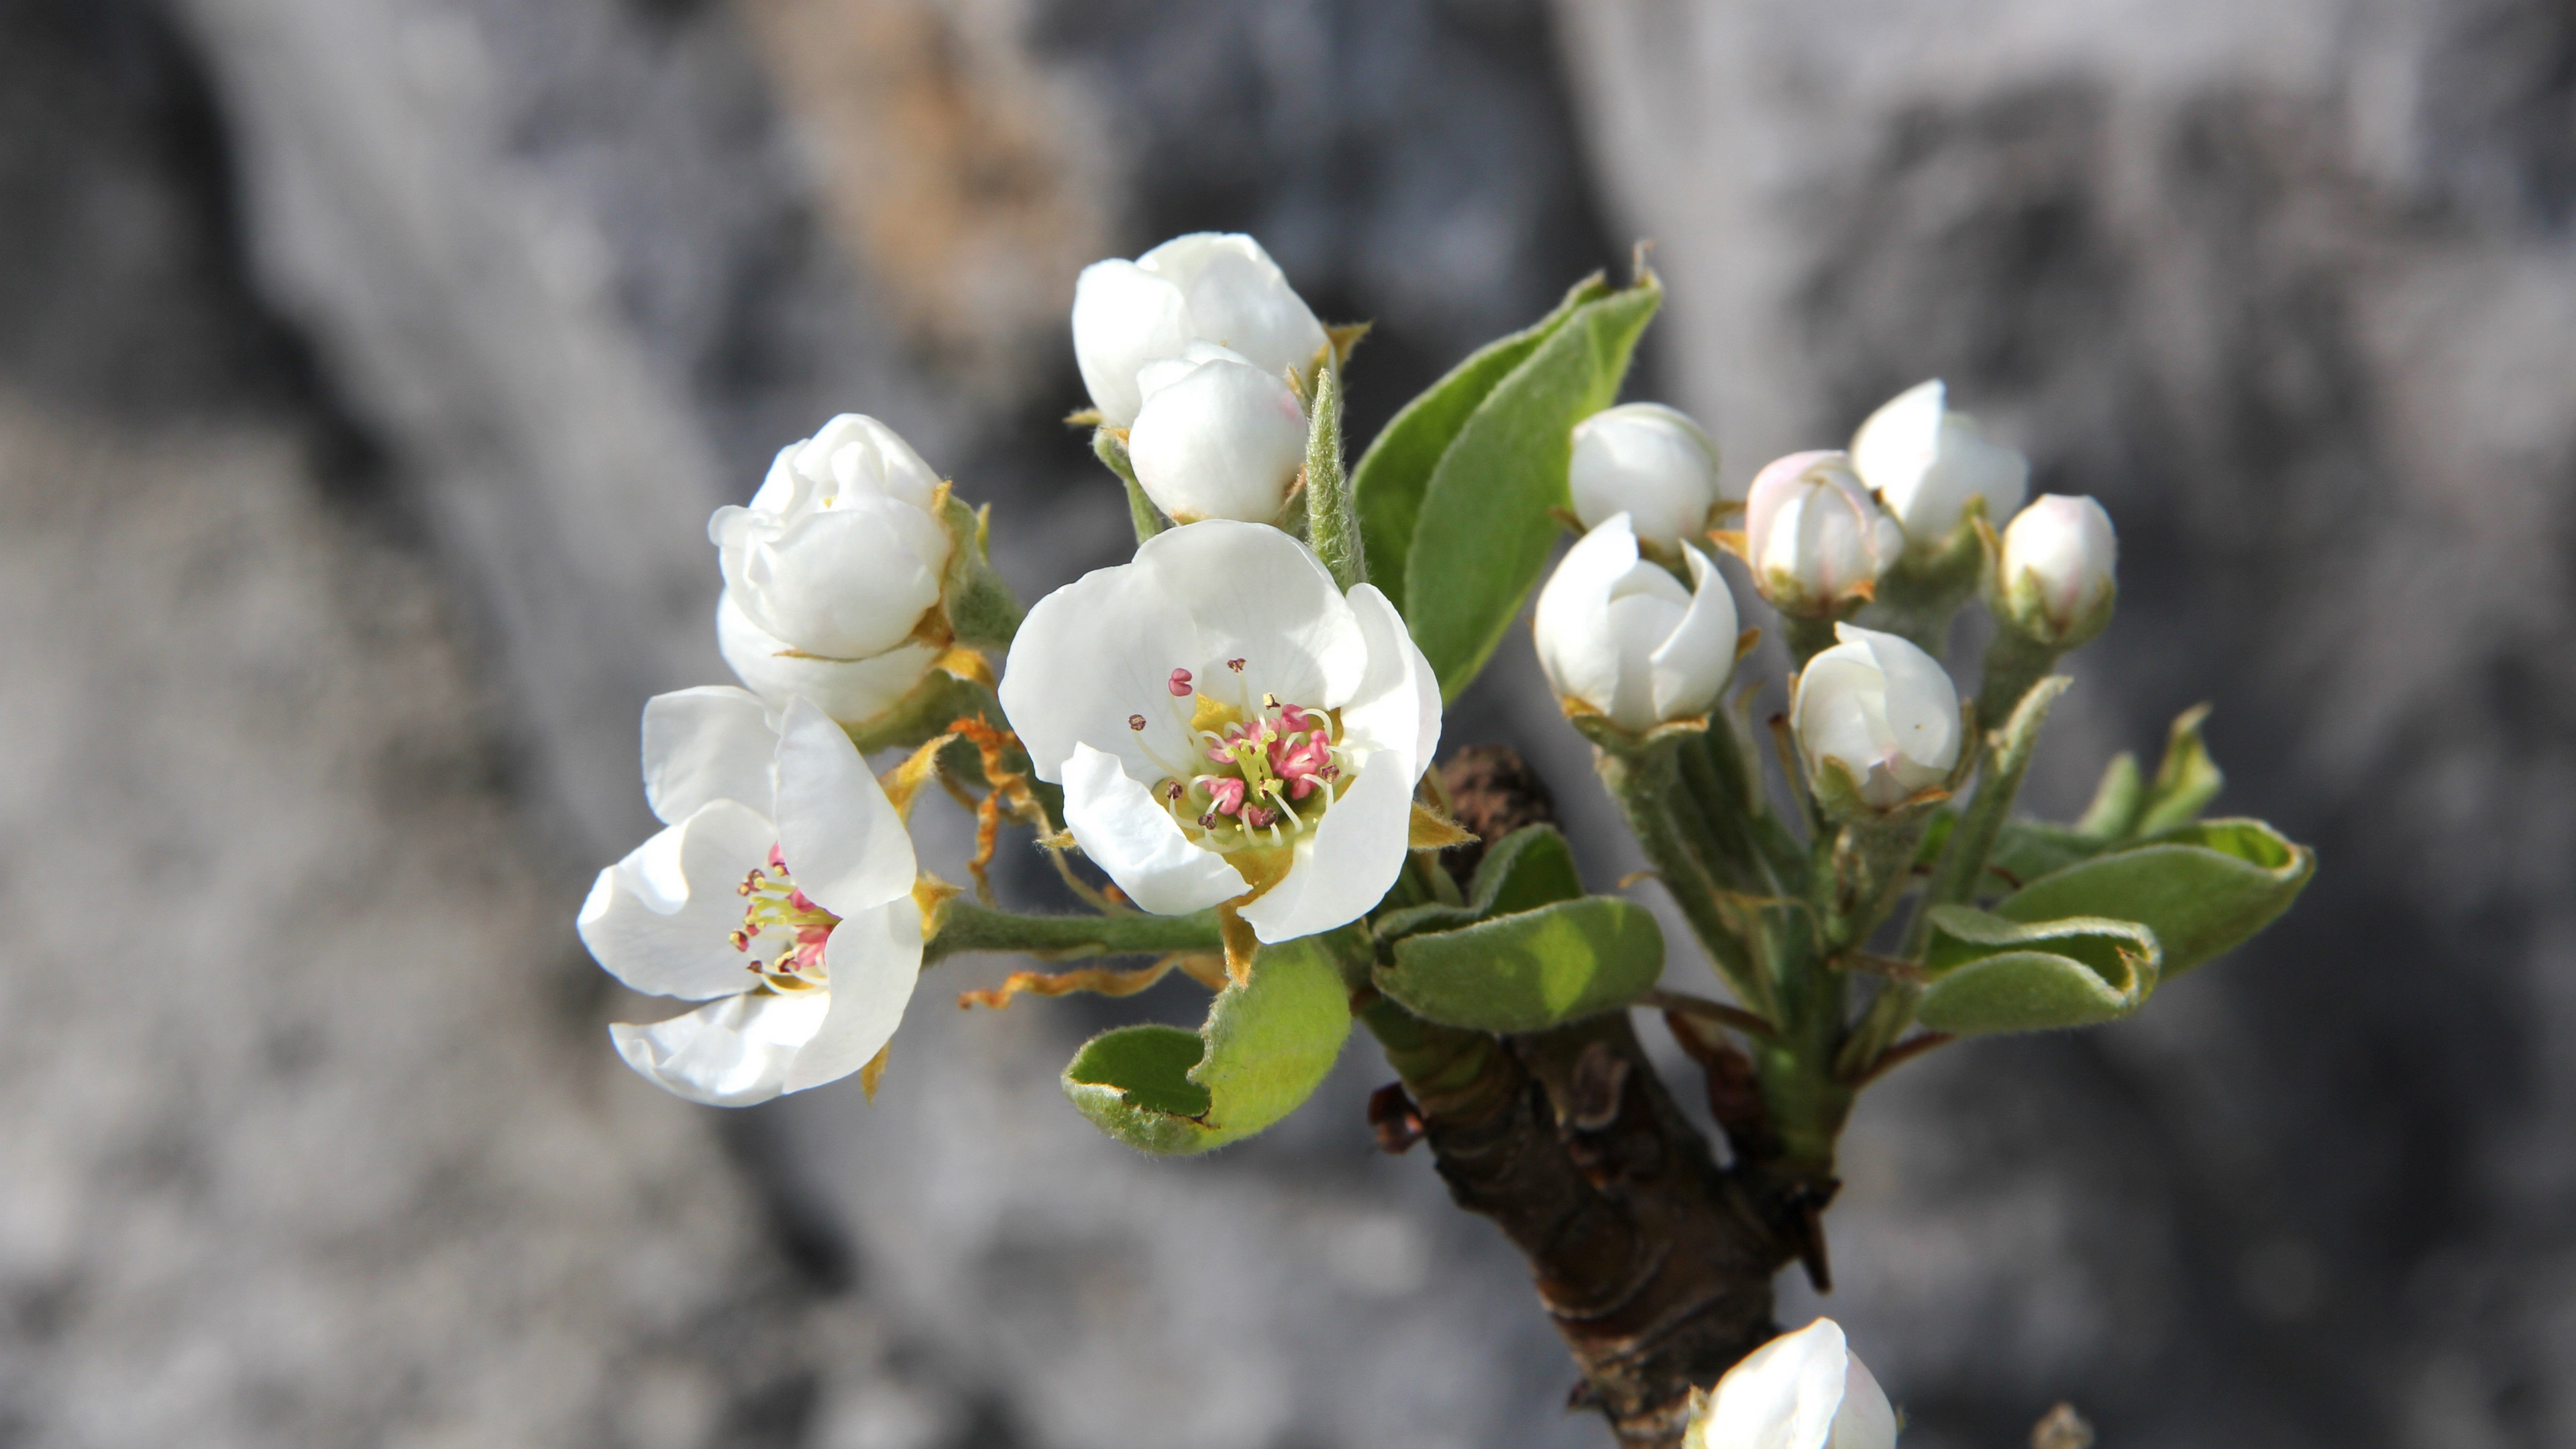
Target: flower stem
{"x":1141,"y":511}
{"x":1646,"y":783}
{"x":966,"y":926}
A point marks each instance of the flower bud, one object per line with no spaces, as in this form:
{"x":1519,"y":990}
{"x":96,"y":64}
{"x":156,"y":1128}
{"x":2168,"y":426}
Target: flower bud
{"x":1217,"y":437}
{"x":1925,"y":462}
{"x":1880,"y":711}
{"x":2057,"y":575}
{"x":1620,"y":635}
{"x":1650,"y":462}
{"x":1816,"y":540}
{"x":1204,"y":287}
{"x":831,"y":570}
{"x":1803,"y":1390}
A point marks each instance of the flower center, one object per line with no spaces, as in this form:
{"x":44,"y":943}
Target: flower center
{"x":1261,"y":777}
{"x":781,"y":921}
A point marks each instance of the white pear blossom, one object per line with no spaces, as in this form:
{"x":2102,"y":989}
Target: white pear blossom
{"x":1802,"y":1390}
{"x":1224,"y":721}
{"x":1817,"y":541}
{"x":1620,"y":634}
{"x":1218,"y":287}
{"x":1217,"y":437}
{"x":2059,"y":569}
{"x":780,"y":893}
{"x":831,"y":570}
{"x":1925,"y":462}
{"x":1650,"y":462}
{"x":1883,"y":710}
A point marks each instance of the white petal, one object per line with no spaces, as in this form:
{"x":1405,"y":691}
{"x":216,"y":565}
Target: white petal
{"x":1836,"y":713}
{"x":875,"y":961}
{"x":784,"y":490}
{"x":1256,"y":594}
{"x":1223,"y":440}
{"x":1694,"y":661}
{"x":1571,"y":626}
{"x":1094,"y":653}
{"x":847,"y":582}
{"x":1648,"y":461}
{"x":1356,"y":854}
{"x":733,"y":1053}
{"x":1779,"y":481}
{"x":843,"y":841}
{"x":713,"y":742}
{"x":1397,"y":706}
{"x":1123,"y":318}
{"x":1895,"y":448}
{"x":1866,"y":1419}
{"x":1640,"y":622}
{"x":1236,"y":296}
{"x":849,"y":690}
{"x":1922,"y":706}
{"x":1783,"y":1395}
{"x":863,"y":456}
{"x":659,"y":919}
{"x":1127,"y":834}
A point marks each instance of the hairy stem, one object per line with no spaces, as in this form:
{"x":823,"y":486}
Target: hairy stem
{"x":966,"y":926}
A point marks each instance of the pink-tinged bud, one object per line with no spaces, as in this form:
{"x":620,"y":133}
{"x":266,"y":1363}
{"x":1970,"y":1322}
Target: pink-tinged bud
{"x":2057,"y":579}
{"x":1815,"y":538}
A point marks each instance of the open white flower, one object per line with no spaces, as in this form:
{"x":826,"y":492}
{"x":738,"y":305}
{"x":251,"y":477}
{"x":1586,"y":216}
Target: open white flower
{"x":1650,"y":462}
{"x":1218,"y":287}
{"x":831,"y":569}
{"x":780,"y":893}
{"x":1883,"y":710}
{"x":1802,"y":1390}
{"x":2059,"y":570}
{"x":1217,"y":437}
{"x":1816,"y":540}
{"x":1225,"y":721}
{"x":1624,"y":637}
{"x":1925,"y":462}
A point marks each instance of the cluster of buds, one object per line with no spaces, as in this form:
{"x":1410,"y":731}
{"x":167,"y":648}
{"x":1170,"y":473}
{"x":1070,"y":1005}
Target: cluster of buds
{"x":1197,"y":354}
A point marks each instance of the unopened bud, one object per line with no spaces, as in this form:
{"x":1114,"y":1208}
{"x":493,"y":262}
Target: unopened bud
{"x":2058,"y":575}
{"x":1816,"y":540}
{"x":1803,"y":1390}
{"x":1881,"y":712}
{"x":1204,"y":287}
{"x":1623,"y":637}
{"x":1925,"y":462}
{"x":1217,"y":437}
{"x":1651,"y":463}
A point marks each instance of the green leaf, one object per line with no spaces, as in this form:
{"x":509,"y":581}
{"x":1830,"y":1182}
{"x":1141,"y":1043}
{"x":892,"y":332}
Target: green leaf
{"x":2117,"y":801}
{"x":1395,"y":473}
{"x":1530,"y":970}
{"x":2202,"y":888}
{"x":2186,"y":781}
{"x":1485,"y":528}
{"x":1527,"y":869}
{"x":2030,"y":849}
{"x":1265,"y":1047}
{"x":1994,"y":975}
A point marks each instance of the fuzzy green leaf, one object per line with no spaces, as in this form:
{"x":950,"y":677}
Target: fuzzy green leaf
{"x":1265,"y":1047}
{"x":2201,"y":889}
{"x":1527,"y":869}
{"x":1392,"y":477}
{"x":1485,"y":527}
{"x":2117,"y":801}
{"x":1993,"y":975}
{"x":2187,"y":779}
{"x":1531,"y":970}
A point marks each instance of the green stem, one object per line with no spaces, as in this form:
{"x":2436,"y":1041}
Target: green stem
{"x":1332,"y":520}
{"x":1807,"y":637}
{"x":2014,"y":662}
{"x":966,"y":926}
{"x":1646,"y":784}
{"x":1141,"y":511}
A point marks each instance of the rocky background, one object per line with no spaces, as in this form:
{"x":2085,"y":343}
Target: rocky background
{"x":368,"y":367}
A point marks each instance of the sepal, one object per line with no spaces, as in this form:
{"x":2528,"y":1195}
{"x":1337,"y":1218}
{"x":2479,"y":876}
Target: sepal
{"x":982,"y":611}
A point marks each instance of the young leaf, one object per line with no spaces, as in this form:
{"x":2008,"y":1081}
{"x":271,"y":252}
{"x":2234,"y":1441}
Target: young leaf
{"x":1389,"y":483}
{"x":1265,"y":1047}
{"x":1995,"y":975}
{"x":1527,"y":869}
{"x":1532,"y":970}
{"x":2117,"y":801}
{"x":1486,"y":525}
{"x":2201,"y":889}
{"x":2186,"y":781}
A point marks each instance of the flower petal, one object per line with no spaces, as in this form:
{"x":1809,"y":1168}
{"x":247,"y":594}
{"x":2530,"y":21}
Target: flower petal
{"x":1693,"y":662}
{"x":713,"y":742}
{"x":843,"y":841}
{"x":660,"y":919}
{"x":1123,"y":318}
{"x":1090,"y":655}
{"x":1254,"y":593}
{"x":1355,"y":855}
{"x":1123,"y":830}
{"x":849,"y":690}
{"x":847,"y":582}
{"x":1783,"y":1395}
{"x":1922,"y":706}
{"x":731,"y":1053}
{"x":875,"y":961}
{"x":1397,"y":705}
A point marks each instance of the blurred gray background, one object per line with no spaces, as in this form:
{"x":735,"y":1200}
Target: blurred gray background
{"x":368,"y":368}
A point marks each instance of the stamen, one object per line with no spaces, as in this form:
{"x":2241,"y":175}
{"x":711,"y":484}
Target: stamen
{"x":1180,"y":684}
{"x":1135,"y":721}
{"x":1235,"y":664}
